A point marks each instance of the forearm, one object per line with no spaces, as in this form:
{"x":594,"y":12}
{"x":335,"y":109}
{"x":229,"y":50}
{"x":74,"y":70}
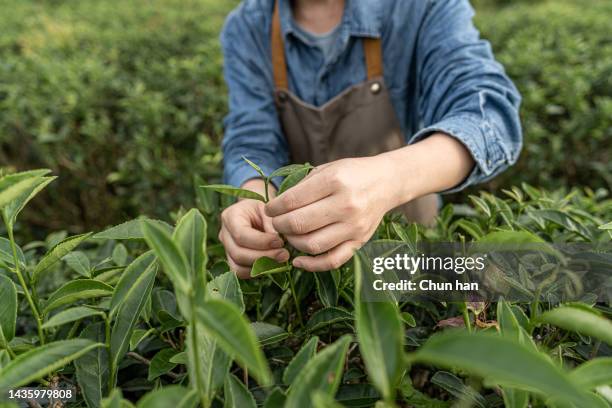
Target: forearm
{"x":434,"y":164}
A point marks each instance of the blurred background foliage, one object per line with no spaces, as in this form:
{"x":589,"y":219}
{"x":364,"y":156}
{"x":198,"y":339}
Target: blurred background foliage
{"x":124,"y":100}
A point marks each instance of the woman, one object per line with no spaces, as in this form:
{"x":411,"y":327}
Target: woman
{"x":393,"y":100}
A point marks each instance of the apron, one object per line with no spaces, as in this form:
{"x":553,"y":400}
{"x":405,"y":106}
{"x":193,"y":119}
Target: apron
{"x":359,"y":122}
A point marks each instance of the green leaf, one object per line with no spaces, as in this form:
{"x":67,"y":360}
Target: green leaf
{"x":322,"y":400}
{"x":327,"y":288}
{"x":58,"y":252}
{"x":180,"y":358}
{"x":255,"y":166}
{"x":267,"y":266}
{"x":12,"y":210}
{"x":92,"y":367}
{"x":499,"y":360}
{"x":234,"y":191}
{"x":130,"y":230}
{"x":408,"y":318}
{"x":225,"y":323}
{"x":514,"y":398}
{"x":129,"y":277}
{"x":161,"y":364}
{"x":275,"y":399}
{"x":71,"y":315}
{"x":288,"y":170}
{"x":236,"y":394}
{"x":77,"y":290}
{"x":293,"y":179}
{"x":119,"y":255}
{"x":514,"y":238}
{"x":139,"y":335}
{"x":226,"y":286}
{"x":322,"y":373}
{"x":299,"y":361}
{"x":128,"y":313}
{"x":268,"y":333}
{"x":581,"y":320}
{"x":14,"y":186}
{"x":8,"y":311}
{"x":78,"y":262}
{"x":454,"y":386}
{"x":42,"y":360}
{"x":6,"y":254}
{"x":594,"y":373}
{"x":116,"y":400}
{"x":380,"y":334}
{"x":169,"y":254}
{"x":328,"y":316}
{"x":190,"y":236}
{"x":175,"y":396}
{"x":607,"y":226}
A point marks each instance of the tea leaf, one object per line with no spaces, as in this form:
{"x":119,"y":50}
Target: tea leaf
{"x":226,"y":286}
{"x":11,"y":210}
{"x":169,"y":254}
{"x":225,"y":323}
{"x":322,"y":373}
{"x":79,"y":263}
{"x":234,"y":191}
{"x":77,"y":290}
{"x":14,"y":186}
{"x":380,"y":334}
{"x":594,"y":373}
{"x":58,"y":252}
{"x":119,"y":255}
{"x":295,"y":366}
{"x":454,"y":386}
{"x":580,"y":320}
{"x":71,"y":315}
{"x":190,"y":236}
{"x":275,"y":399}
{"x":43,"y":360}
{"x":128,"y":313}
{"x":161,"y":364}
{"x":267,"y":266}
{"x":130,"y":230}
{"x":293,"y":179}
{"x":500,"y":361}
{"x":254,"y":166}
{"x":175,"y":396}
{"x":267,"y":333}
{"x":327,"y":288}
{"x":92,"y":368}
{"x":6,"y":254}
{"x":513,"y":238}
{"x":139,"y":335}
{"x":328,"y":316}
{"x":116,"y":400}
{"x":236,"y":394}
{"x":288,"y":170}
{"x":322,"y":400}
{"x":8,"y":311}
{"x":129,"y":277}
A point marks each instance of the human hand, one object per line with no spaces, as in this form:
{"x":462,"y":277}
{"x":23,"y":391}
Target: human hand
{"x":334,"y":210}
{"x":247,"y":234}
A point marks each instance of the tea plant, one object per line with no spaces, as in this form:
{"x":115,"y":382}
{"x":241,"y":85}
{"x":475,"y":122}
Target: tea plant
{"x":146,"y":312}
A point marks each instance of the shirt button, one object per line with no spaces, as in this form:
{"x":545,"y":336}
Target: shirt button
{"x":282,"y":96}
{"x":375,"y":87}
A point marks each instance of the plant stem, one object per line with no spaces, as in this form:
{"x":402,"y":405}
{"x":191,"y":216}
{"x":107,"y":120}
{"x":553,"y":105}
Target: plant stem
{"x":111,"y":364}
{"x":196,"y":354}
{"x":294,"y":295}
{"x":466,"y":319}
{"x":26,"y":290}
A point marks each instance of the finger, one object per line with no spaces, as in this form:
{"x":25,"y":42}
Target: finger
{"x":332,"y":260}
{"x":308,"y":191}
{"x":246,"y":256}
{"x":243,"y":272}
{"x":321,"y":240}
{"x":248,"y":237}
{"x":309,"y":218}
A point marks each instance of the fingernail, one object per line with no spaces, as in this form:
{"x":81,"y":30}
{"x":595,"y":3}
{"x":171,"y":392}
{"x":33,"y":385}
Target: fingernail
{"x":282,"y":256}
{"x":297,"y":263}
{"x":277,"y":243}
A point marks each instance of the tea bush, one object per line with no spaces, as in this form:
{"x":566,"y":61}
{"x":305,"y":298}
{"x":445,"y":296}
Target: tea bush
{"x":147,"y":311}
{"x":118,"y":98}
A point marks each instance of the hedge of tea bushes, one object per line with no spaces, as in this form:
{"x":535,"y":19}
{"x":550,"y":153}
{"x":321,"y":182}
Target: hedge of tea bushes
{"x":124,"y":101}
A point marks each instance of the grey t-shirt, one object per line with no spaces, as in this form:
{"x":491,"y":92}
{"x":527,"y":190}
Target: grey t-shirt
{"x":325,"y":42}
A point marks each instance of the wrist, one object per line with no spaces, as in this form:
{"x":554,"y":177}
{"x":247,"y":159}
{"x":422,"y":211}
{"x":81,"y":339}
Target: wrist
{"x":394,"y":187}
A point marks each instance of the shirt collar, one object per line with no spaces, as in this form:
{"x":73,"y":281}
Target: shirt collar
{"x":360,"y":18}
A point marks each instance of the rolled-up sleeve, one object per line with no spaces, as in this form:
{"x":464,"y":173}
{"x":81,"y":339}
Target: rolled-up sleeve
{"x":464,"y":92}
{"x":252,"y":128}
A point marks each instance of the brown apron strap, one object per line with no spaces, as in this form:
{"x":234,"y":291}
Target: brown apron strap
{"x":372,"y":50}
{"x":279,"y":65}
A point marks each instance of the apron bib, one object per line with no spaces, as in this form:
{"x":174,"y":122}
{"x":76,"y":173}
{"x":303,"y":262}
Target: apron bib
{"x":359,"y":122}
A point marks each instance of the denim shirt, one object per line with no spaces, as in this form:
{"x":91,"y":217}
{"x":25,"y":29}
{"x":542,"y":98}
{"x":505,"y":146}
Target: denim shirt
{"x":441,"y":76}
